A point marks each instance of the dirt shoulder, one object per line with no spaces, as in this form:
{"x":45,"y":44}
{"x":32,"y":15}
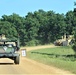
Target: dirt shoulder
{"x":38,"y":47}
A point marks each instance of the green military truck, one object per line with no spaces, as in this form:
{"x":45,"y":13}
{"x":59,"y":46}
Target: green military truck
{"x":9,"y":49}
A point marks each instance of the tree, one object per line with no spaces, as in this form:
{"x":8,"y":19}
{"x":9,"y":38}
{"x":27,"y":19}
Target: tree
{"x":56,"y":25}
{"x":39,"y":27}
{"x":8,"y":30}
{"x":69,"y":22}
{"x":18,"y":23}
{"x":43,"y":26}
{"x":74,"y":45}
{"x":32,"y":27}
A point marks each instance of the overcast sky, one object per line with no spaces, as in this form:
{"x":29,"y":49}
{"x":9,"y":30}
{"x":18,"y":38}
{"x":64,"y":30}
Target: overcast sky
{"x":22,"y":7}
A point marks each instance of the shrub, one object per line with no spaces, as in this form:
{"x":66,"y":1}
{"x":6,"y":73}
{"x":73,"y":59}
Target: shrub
{"x":33,"y":43}
{"x":74,"y":46}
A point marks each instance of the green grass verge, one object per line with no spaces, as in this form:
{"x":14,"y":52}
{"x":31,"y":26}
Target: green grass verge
{"x":61,"y":57}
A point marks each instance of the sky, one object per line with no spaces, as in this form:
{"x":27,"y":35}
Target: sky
{"x":22,"y":7}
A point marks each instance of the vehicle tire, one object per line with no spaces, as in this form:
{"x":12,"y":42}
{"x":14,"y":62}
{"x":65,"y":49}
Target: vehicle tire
{"x":17,"y":60}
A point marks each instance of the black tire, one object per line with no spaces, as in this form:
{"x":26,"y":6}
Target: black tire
{"x":17,"y":60}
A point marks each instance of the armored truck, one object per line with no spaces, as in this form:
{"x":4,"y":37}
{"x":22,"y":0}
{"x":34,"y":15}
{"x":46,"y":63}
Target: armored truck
{"x":9,"y":49}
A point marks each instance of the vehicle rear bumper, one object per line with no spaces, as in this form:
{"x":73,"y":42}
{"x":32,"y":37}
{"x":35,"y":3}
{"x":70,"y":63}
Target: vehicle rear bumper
{"x":8,"y":55}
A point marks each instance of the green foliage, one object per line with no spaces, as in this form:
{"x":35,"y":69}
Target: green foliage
{"x":32,"y":43}
{"x":69,"y":22}
{"x":74,"y":45}
{"x":74,"y":32}
{"x":39,"y":27}
{"x":8,"y":29}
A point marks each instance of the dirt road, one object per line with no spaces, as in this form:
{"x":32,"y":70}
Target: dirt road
{"x":27,"y":66}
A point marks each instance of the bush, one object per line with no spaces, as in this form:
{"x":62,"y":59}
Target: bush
{"x":33,"y":43}
{"x":74,"y":46}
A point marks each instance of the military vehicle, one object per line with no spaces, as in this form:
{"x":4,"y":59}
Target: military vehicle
{"x":9,"y":49}
{"x":64,"y":41}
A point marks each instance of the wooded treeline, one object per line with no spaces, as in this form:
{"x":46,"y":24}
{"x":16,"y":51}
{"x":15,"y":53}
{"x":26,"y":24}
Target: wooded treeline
{"x":39,"y":27}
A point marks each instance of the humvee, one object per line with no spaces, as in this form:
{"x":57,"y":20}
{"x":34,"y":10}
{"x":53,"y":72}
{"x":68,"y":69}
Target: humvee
{"x":9,"y":49}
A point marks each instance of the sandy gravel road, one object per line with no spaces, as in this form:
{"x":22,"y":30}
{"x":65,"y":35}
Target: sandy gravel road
{"x":28,"y":66}
{"x":38,"y":47}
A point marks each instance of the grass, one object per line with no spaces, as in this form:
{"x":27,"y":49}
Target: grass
{"x":61,"y":57}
